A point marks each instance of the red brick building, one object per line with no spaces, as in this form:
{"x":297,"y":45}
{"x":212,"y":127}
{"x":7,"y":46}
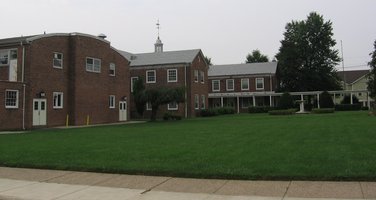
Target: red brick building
{"x":186,"y":68}
{"x":242,"y":85}
{"x":47,"y":80}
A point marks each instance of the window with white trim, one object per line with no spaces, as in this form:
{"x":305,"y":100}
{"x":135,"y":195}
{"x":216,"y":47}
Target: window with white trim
{"x":58,"y":60}
{"x":203,"y":101}
{"x":172,"y":75}
{"x":4,"y":57}
{"x":245,"y":84}
{"x":93,"y":65}
{"x":148,"y":106}
{"x":197,"y":106}
{"x":216,"y":85}
{"x":259,"y":83}
{"x":151,"y":76}
{"x":202,"y":76}
{"x":58,"y":98}
{"x":196,"y":75}
{"x":111,"y":101}
{"x":172,"y":106}
{"x":112,"y":69}
{"x":133,"y":80}
{"x":11,"y":98}
{"x":229,"y":84}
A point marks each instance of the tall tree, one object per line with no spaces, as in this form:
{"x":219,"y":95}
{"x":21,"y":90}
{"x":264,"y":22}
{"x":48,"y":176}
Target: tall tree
{"x":139,"y":95}
{"x":372,"y":76}
{"x":307,"y":57}
{"x":256,"y":57}
{"x":208,"y":61}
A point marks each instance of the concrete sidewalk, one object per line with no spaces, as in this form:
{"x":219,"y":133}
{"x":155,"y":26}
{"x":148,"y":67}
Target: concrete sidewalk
{"x":19,"y":183}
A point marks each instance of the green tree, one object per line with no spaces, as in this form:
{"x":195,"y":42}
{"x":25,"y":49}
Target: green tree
{"x":372,"y":75}
{"x":208,"y":61}
{"x":160,"y":96}
{"x":139,"y":95}
{"x":256,"y":57}
{"x":286,"y":101}
{"x":307,"y":57}
{"x":326,"y":100}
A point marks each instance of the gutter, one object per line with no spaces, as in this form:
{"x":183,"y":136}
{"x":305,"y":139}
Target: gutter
{"x":24,"y":86}
{"x":185,"y":93}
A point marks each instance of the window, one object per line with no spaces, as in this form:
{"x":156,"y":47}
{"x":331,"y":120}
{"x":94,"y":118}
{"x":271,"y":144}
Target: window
{"x":259,"y":83}
{"x":111,"y":101}
{"x":150,"y":76}
{"x":11,"y":98}
{"x":58,"y":60}
{"x":229,"y":84}
{"x":148,"y":106}
{"x":246,"y":102}
{"x":216,"y":85}
{"x":172,"y":106}
{"x":196,"y":76}
{"x":203,"y":101}
{"x":245,"y":83}
{"x":13,"y":54}
{"x":202,"y":76}
{"x":172,"y":75}
{"x":57,"y":100}
{"x":93,"y":65}
{"x":133,"y":80}
{"x":112,"y":69}
{"x":196,"y":102}
{"x":4,"y":57}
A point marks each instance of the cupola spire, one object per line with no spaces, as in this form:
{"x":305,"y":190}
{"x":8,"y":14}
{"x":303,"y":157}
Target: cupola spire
{"x":158,"y":46}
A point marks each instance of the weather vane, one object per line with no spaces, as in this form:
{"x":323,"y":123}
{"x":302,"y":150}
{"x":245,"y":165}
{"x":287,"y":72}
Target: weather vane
{"x":158,"y":27}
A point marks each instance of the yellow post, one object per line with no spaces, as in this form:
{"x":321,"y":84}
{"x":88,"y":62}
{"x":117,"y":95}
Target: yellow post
{"x":67,"y":121}
{"x":87,"y":120}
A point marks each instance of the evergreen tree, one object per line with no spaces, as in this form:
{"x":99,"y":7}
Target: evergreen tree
{"x":372,"y":75}
{"x":306,"y":57}
{"x":256,"y":57}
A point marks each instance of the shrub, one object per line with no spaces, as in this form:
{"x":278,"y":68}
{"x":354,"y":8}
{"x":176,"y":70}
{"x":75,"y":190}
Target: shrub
{"x":322,"y":110}
{"x":347,"y":99}
{"x":347,"y":107}
{"x":259,"y":109}
{"x":208,"y":112}
{"x":364,"y":108}
{"x":326,"y":100}
{"x":282,"y":112}
{"x":170,"y":116}
{"x":226,"y":110}
{"x":286,"y":101}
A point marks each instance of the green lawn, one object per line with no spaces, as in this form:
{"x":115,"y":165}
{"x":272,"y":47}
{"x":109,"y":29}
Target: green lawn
{"x":340,"y":146}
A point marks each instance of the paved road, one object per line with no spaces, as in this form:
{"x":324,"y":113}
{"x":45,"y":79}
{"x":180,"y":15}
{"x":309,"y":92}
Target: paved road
{"x":19,"y":183}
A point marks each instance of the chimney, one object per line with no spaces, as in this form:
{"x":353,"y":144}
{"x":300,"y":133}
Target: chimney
{"x":103,"y":36}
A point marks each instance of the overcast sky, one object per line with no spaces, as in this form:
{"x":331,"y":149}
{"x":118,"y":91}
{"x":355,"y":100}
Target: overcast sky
{"x":226,"y":30}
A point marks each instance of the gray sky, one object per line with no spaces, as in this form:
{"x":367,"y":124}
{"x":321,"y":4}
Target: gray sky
{"x":226,"y":30}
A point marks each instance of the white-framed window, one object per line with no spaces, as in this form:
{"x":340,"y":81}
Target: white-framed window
{"x":133,"y":80}
{"x":246,"y":102}
{"x":13,"y":54}
{"x":58,"y":98}
{"x":172,"y":75}
{"x":148,"y":106}
{"x":203,"y":106}
{"x":259,"y":83}
{"x":151,"y":76}
{"x":11,"y":98}
{"x":216,"y":85}
{"x":111,"y":101}
{"x":229,"y":84}
{"x":172,"y":106}
{"x":57,"y":61}
{"x":4,"y":57}
{"x":245,"y":83}
{"x":196,"y":75}
{"x":197,"y":106}
{"x":112,"y":69}
{"x":202,"y":76}
{"x":93,"y":64}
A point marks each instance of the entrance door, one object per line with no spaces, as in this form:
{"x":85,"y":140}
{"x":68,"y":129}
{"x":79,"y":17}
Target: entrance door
{"x":122,"y":110}
{"x":39,"y":112}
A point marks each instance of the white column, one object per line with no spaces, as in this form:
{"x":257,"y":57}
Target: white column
{"x":351,"y":100}
{"x":237,"y":99}
{"x":270,"y":101}
{"x":334,"y":98}
{"x":368,"y":101}
{"x":318,"y":100}
{"x":301,"y":97}
{"x":221,"y":102}
{"x":254,"y":101}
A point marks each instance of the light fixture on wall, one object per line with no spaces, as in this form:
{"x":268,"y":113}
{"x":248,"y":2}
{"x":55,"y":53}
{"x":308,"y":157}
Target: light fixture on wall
{"x":42,"y":94}
{"x":124,"y":98}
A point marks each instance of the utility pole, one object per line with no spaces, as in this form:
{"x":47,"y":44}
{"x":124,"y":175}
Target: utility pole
{"x":343,"y":68}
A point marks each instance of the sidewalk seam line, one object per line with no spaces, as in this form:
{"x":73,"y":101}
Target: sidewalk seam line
{"x":221,"y":186}
{"x":148,"y":190}
{"x":48,"y":179}
{"x":361,"y":189}
{"x":287,"y":189}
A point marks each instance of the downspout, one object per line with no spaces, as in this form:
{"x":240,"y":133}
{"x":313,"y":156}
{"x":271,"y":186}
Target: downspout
{"x":185,"y":93}
{"x":24,"y":86}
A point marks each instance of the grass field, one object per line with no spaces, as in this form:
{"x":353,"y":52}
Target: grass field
{"x":339,"y":146}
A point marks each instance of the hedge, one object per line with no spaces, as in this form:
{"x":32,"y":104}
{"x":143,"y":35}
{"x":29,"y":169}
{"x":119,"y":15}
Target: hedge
{"x":322,"y":110}
{"x":216,"y":111}
{"x":260,"y":109}
{"x":282,"y":112}
{"x":170,"y":116}
{"x":347,"y":107}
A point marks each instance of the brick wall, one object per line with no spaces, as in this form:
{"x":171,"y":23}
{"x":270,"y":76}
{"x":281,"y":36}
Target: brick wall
{"x":237,"y":84}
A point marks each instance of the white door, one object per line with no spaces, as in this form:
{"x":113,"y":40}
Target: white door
{"x":122,"y":110}
{"x":39,"y":112}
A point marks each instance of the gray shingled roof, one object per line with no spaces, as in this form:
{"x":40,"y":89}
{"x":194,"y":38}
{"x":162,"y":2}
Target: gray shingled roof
{"x":14,"y":40}
{"x":352,"y":76}
{"x":243,"y":69}
{"x":159,"y":58}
